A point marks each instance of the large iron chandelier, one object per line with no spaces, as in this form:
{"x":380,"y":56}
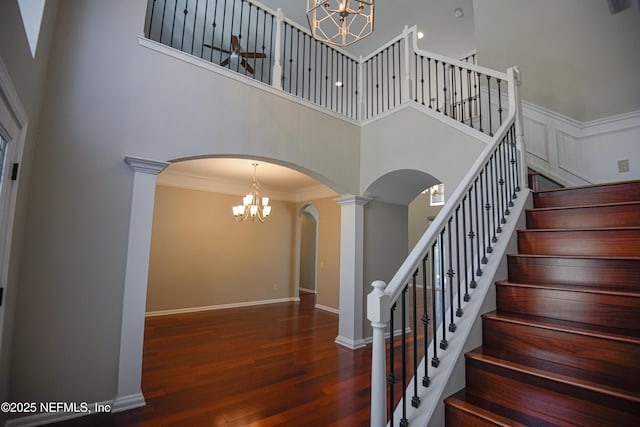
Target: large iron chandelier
{"x":340,"y":22}
{"x":253,"y":206}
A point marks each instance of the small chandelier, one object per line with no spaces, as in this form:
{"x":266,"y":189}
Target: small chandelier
{"x":340,"y":22}
{"x":253,"y":206}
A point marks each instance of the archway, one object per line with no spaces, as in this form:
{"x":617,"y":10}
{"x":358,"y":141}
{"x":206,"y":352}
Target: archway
{"x":129,"y":393}
{"x":308,"y":218}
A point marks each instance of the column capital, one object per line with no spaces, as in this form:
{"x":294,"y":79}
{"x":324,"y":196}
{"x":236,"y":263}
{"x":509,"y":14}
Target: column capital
{"x":350,"y":199}
{"x":140,"y":164}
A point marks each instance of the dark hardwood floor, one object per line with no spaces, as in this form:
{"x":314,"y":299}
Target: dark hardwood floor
{"x":272,"y":365}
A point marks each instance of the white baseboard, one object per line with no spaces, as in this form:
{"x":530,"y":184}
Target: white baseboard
{"x":309,"y":291}
{"x":124,"y":403}
{"x":329,"y":309}
{"x":349,"y":343}
{"x":219,"y":307}
{"x":54,"y":417}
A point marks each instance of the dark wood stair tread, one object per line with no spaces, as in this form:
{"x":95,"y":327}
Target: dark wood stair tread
{"x":548,"y":372}
{"x":615,"y":334}
{"x":602,"y":290}
{"x":597,"y":205}
{"x":492,"y":412}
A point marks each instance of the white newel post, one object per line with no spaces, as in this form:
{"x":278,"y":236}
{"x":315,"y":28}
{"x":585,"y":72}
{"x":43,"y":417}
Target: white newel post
{"x":514,"y":77}
{"x":277,"y":66}
{"x":351,"y":301}
{"x":378,"y":312}
{"x":135,"y":283}
{"x":406,"y":79}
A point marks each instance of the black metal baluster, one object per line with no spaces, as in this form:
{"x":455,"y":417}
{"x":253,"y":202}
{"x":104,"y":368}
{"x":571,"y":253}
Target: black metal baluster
{"x":404,"y":422}
{"x":315,"y":71}
{"x":391,"y":378}
{"x":471,"y":236}
{"x":240,"y":35}
{"x":415,"y":400}
{"x":469,"y":98}
{"x":264,"y":33}
{"x":478,"y":213}
{"x":512,"y":146}
{"x":416,"y":71}
{"x":502,"y":183}
{"x":193,"y":33}
{"x":443,"y":342}
{"x":421,"y":78}
{"x":153,"y":7}
{"x":455,"y":91}
{"x":499,"y":101}
{"x":284,"y":55}
{"x":365,"y":87}
{"x":487,"y":207}
{"x":450,"y":274}
{"x":304,"y":57}
{"x":467,"y":297}
{"x":271,"y":45}
{"x":400,"y":75}
{"x":320,"y":71}
{"x":434,"y":298}
{"x":429,"y":79}
{"x":437,"y":88}
{"x":297,"y":60}
{"x":173,"y":25}
{"x":494,"y":208}
{"x":461,"y":94}
{"x":426,"y":381}
{"x":291,"y":60}
{"x":393,"y":68}
{"x":459,"y":309}
{"x":388,"y":81}
{"x":164,"y":10}
{"x":509,"y":175}
{"x":444,"y":88}
{"x":484,"y":229}
{"x":204,"y":28}
{"x":378,"y":88}
{"x":479,"y":103}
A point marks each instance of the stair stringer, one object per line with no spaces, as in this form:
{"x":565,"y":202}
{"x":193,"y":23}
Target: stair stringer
{"x":449,"y":377}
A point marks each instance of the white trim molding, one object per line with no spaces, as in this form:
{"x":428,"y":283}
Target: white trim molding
{"x":581,"y":153}
{"x":219,"y":307}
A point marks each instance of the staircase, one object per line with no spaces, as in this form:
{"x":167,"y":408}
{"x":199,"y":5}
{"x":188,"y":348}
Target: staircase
{"x":563,"y":346}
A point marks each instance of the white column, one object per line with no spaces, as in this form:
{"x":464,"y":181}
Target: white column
{"x":135,"y":283}
{"x":277,"y":66}
{"x":351,"y":267}
{"x":378,"y":312}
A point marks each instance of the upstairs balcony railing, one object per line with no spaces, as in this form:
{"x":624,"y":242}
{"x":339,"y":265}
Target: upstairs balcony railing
{"x":262,"y":44}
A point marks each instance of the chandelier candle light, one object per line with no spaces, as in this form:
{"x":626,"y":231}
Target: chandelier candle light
{"x":340,"y":22}
{"x":253,"y":205}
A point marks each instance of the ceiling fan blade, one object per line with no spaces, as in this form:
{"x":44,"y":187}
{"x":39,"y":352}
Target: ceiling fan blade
{"x":225,"y":62}
{"x":247,"y":66}
{"x":235,"y":45}
{"x":215,"y":48}
{"x":253,"y":55}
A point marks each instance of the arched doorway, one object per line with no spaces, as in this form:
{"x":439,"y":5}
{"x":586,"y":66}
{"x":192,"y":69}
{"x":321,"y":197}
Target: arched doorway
{"x":308,"y":265}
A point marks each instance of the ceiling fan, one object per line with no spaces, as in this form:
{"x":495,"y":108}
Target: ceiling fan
{"x":237,"y":52}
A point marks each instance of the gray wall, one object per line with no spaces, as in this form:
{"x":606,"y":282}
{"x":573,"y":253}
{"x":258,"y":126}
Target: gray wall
{"x":385,"y":246}
{"x":575,"y":57}
{"x":28,"y":77}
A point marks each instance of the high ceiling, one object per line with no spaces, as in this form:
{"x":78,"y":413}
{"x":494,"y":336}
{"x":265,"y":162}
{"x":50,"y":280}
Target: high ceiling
{"x":444,"y":33}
